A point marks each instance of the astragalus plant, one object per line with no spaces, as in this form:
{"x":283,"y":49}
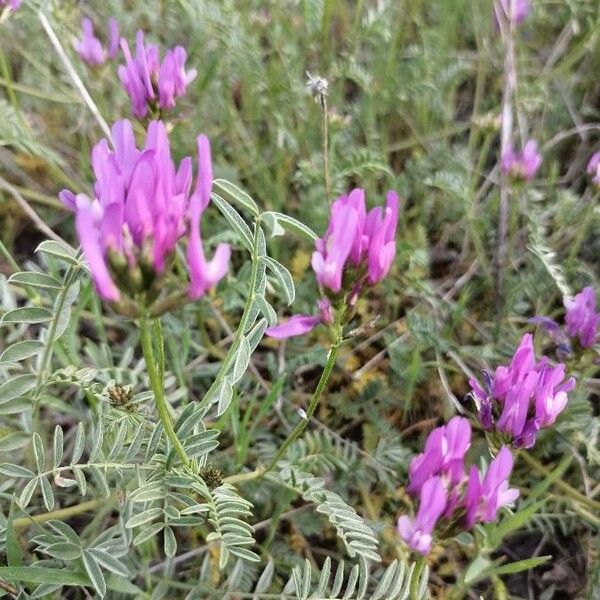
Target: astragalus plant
{"x":298,"y":300}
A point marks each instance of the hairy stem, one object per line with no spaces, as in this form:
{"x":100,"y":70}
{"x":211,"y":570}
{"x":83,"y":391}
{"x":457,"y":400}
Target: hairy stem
{"x":100,"y":465}
{"x":155,"y":373}
{"x":61,"y":514}
{"x":32,"y":214}
{"x":416,"y":578}
{"x":241,"y":477}
{"x":4,"y":251}
{"x":10,"y":89}
{"x":314,"y":401}
{"x":506,"y":140}
{"x":325,"y":127}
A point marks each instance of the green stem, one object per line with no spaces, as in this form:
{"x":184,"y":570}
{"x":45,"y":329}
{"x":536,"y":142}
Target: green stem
{"x":40,"y":198}
{"x":314,"y":401}
{"x":8,"y":82}
{"x":30,"y":91}
{"x":457,"y":591}
{"x":325,"y":125}
{"x":60,"y":514}
{"x":157,"y":384}
{"x":29,"y":291}
{"x":239,"y":334}
{"x":4,"y":251}
{"x":416,"y":578}
{"x":241,"y":477}
{"x":563,"y":486}
{"x":102,"y":466}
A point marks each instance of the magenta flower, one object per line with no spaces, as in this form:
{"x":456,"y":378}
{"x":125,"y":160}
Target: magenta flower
{"x":332,"y":251}
{"x":483,"y":401}
{"x":87,"y":223}
{"x":203,"y":275}
{"x":301,"y":324}
{"x":89,"y":46}
{"x":295,"y":325}
{"x":12,"y":4}
{"x":380,"y":230}
{"x":548,"y":324}
{"x":524,"y":397}
{"x":114,"y":38}
{"x":550,"y":393}
{"x":149,"y":83}
{"x":444,"y":455}
{"x":357,"y":250}
{"x":135,"y":76}
{"x":417,"y":532}
{"x":516,"y":10}
{"x":365,"y":240}
{"x":172,"y":77}
{"x":484,"y":498}
{"x":522,"y":165}
{"x":141,"y":209}
{"x":446,"y":494}
{"x":593,"y":168}
{"x":516,"y":405}
{"x":581,"y":319}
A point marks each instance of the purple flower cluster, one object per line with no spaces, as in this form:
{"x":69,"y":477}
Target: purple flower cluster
{"x":89,"y":46}
{"x":151,"y":83}
{"x":593,"y":168}
{"x":358,"y":237}
{"x":523,"y":397}
{"x":437,"y":476}
{"x":142,"y":207}
{"x":522,"y":165}
{"x":357,"y":249}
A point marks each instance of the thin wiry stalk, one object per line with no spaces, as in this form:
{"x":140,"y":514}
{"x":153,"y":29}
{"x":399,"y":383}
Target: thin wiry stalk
{"x":325,"y":128}
{"x":73,"y":74}
{"x":506,"y":140}
{"x":38,"y":221}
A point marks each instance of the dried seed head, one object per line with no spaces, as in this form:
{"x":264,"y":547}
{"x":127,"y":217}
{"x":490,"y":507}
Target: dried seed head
{"x":317,"y":86}
{"x":212,"y":476}
{"x":120,"y":396}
